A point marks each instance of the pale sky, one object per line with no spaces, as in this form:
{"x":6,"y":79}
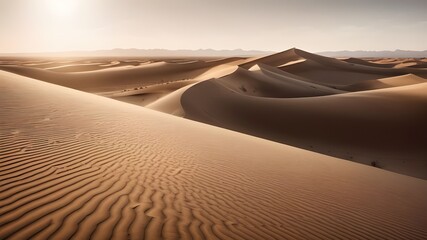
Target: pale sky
{"x":276,"y":25}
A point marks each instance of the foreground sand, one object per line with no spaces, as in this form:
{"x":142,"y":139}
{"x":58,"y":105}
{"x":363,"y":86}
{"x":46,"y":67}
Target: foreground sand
{"x":76,"y":165}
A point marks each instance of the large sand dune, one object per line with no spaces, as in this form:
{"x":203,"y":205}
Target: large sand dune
{"x":383,"y":127}
{"x":264,"y":81}
{"x":76,"y":165}
{"x":292,"y":97}
{"x":328,"y":71}
{"x":309,"y":101}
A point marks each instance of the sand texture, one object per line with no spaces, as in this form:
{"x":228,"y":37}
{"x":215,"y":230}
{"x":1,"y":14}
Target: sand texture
{"x":79,"y":164}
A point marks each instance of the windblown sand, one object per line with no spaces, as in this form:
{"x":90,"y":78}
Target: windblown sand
{"x":74,"y":165}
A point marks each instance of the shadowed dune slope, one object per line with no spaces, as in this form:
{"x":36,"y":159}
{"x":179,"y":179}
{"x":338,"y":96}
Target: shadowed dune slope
{"x":334,"y":76}
{"x":420,"y":65}
{"x":165,"y":97}
{"x":382,"y":127}
{"x":398,"y":81}
{"x":143,"y":96}
{"x":327,"y":71}
{"x":276,"y":60}
{"x":368,"y":63}
{"x":80,"y":166}
{"x":170,"y":103}
{"x":265,"y":81}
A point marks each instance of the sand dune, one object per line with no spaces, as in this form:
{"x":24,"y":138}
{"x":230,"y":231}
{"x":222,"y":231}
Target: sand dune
{"x":399,"y":62}
{"x":263,"y":82}
{"x":274,"y":59}
{"x":327,"y":71}
{"x":398,"y":81}
{"x":143,"y":96}
{"x":292,"y":97}
{"x":420,"y":65}
{"x":285,"y":97}
{"x":71,"y":167}
{"x":385,"y":127}
{"x":74,"y":165}
{"x":306,"y":99}
{"x":318,"y":69}
{"x":170,"y":103}
{"x":368,"y":63}
{"x":165,"y":97}
{"x":116,"y":79}
{"x":92,"y":66}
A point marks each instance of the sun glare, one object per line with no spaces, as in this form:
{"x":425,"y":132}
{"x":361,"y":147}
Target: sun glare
{"x":62,"y":8}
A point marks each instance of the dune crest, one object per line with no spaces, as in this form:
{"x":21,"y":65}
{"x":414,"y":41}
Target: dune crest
{"x":317,"y":103}
{"x":75,"y":169}
{"x":296,"y":104}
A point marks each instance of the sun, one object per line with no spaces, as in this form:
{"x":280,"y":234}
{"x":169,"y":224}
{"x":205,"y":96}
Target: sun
{"x":62,"y":8}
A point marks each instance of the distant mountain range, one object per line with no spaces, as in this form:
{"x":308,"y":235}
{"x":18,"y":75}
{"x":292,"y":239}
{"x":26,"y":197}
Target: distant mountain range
{"x":379,"y":54}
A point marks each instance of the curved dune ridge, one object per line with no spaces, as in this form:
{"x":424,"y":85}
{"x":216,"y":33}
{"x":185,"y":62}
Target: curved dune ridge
{"x":281,"y":98}
{"x":262,"y":81}
{"x":336,"y":73}
{"x":383,"y":127}
{"x":79,"y":166}
{"x":370,"y":111}
{"x":117,"y":78}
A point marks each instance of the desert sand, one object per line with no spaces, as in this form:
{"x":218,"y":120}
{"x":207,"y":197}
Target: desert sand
{"x":296,"y":146}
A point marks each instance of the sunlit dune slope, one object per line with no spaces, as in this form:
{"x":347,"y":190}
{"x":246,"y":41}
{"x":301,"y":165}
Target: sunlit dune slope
{"x":293,"y":97}
{"x":76,"y":165}
{"x":116,"y":78}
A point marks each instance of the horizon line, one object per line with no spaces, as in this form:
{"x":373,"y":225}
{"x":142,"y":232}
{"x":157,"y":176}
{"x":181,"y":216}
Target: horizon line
{"x":201,"y":49}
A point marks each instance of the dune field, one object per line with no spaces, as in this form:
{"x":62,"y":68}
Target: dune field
{"x":292,"y":145}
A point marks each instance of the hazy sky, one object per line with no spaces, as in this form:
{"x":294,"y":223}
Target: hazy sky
{"x":313,"y":25}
